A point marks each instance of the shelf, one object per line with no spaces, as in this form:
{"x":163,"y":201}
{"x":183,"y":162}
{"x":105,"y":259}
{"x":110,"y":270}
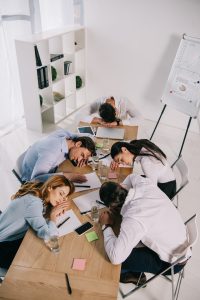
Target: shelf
{"x":45,"y":107}
{"x":35,"y":53}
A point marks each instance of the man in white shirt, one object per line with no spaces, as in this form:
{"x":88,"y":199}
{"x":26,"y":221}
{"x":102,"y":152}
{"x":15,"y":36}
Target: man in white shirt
{"x":110,"y":111}
{"x":148,"y":216}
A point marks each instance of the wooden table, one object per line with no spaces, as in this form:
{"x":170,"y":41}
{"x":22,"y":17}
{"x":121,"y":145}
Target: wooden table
{"x":36,"y":273}
{"x":130,"y":132}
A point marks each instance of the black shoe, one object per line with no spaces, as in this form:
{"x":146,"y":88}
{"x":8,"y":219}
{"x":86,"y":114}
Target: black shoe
{"x":135,"y":278}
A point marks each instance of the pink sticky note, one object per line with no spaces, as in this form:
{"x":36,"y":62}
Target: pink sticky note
{"x":112,"y":175}
{"x":79,"y":264}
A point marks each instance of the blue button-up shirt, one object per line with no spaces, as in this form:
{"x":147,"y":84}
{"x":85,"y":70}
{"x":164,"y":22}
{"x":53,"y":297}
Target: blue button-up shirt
{"x":44,"y":156}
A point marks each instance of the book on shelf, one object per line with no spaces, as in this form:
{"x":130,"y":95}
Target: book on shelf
{"x":42,"y":75}
{"x":54,"y":57}
{"x":37,"y":57}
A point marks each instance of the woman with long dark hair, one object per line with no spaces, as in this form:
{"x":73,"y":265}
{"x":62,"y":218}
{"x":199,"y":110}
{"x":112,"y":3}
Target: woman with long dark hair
{"x":152,"y":159}
{"x":26,"y":210}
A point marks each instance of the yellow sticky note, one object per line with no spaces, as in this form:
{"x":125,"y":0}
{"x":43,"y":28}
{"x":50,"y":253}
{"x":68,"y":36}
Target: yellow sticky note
{"x":91,"y":236}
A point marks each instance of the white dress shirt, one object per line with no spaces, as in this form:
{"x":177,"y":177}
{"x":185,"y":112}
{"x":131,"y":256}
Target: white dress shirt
{"x":125,"y":111}
{"x":150,"y":217}
{"x":155,"y":169}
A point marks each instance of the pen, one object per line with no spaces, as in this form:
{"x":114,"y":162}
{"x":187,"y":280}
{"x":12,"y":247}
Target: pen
{"x":63,"y":222}
{"x":104,"y":156}
{"x":80,"y":185}
{"x":68,"y":284}
{"x":85,"y":212}
{"x":99,"y":202}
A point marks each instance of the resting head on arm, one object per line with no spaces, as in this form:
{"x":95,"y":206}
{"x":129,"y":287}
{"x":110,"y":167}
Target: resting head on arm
{"x":54,"y":193}
{"x":80,"y":149}
{"x":125,"y":153}
{"x":113,"y":195}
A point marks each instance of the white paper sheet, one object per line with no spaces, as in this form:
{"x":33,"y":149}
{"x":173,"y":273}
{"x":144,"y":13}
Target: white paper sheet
{"x":92,"y":180}
{"x":84,"y":202}
{"x":70,"y":224}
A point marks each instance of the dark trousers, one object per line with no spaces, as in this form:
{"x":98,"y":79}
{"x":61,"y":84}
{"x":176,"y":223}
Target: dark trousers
{"x":8,"y":251}
{"x":169,"y":188}
{"x":145,"y":260}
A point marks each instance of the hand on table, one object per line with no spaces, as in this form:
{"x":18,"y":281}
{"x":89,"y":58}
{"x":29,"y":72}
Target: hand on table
{"x":106,"y":218}
{"x":114,"y":165}
{"x":59,"y":209}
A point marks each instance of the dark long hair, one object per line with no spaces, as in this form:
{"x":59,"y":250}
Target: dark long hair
{"x":113,"y":194}
{"x":40,"y":189}
{"x":135,"y":148}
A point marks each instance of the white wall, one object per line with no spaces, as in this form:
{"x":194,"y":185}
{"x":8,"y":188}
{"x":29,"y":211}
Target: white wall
{"x":131,"y":45}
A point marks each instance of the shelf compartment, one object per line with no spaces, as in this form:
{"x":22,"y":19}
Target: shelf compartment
{"x":68,"y":43}
{"x":41,"y":53}
{"x":59,"y":111}
{"x":79,"y":40}
{"x":70,"y":104}
{"x":70,"y":85}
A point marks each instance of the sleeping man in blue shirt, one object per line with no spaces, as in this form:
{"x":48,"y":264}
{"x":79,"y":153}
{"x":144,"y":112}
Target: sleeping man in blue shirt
{"x":43,"y":157}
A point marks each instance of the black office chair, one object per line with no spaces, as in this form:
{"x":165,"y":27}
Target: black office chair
{"x":17,"y":171}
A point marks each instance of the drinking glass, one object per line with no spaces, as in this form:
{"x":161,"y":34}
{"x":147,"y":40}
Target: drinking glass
{"x":52,"y":243}
{"x":95,"y":212}
{"x":106,"y":146}
{"x":103,"y":171}
{"x":95,"y":163}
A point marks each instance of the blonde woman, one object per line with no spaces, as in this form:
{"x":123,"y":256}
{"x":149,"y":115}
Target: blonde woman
{"x":27,"y":209}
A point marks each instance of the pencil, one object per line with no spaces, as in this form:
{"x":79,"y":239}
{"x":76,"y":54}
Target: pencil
{"x":69,"y":289}
{"x":63,"y":222}
{"x":80,"y":185}
{"x":85,"y":212}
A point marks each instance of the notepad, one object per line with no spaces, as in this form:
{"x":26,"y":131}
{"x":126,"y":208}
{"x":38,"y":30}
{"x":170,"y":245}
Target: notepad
{"x":91,"y":236}
{"x":79,"y":264}
{"x":92,"y":180}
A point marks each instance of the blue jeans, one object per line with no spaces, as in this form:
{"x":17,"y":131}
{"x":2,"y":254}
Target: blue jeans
{"x":145,"y":260}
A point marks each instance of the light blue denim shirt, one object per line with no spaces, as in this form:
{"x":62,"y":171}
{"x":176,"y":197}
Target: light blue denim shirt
{"x":44,"y":156}
{"x":21,"y":214}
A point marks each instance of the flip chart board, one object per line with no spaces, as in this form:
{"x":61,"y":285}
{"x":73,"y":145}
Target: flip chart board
{"x":182,"y":90}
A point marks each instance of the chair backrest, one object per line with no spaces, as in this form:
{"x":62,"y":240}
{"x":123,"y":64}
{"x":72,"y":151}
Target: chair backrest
{"x":192,"y":230}
{"x":183,"y":171}
{"x":17,"y":171}
{"x":19,"y":163}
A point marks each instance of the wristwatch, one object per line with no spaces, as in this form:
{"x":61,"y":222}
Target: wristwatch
{"x":104,"y":226}
{"x":118,"y":121}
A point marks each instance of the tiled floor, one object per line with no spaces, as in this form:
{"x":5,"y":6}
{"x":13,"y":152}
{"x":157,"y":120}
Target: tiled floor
{"x":169,"y":139}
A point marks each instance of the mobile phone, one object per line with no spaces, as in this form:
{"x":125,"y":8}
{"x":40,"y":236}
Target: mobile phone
{"x":83,"y":228}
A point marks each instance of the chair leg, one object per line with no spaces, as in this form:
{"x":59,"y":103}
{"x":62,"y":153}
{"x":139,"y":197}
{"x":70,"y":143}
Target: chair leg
{"x":172,"y":274}
{"x":180,"y":277}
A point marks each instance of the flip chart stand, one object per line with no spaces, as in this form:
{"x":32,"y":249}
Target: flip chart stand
{"x":188,"y":125}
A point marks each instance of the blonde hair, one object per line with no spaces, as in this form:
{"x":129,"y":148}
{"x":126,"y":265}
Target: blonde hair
{"x":40,"y":189}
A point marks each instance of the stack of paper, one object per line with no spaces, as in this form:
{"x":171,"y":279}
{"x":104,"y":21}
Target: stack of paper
{"x":84,"y":202}
{"x":93,"y":182}
{"x":71,"y":224}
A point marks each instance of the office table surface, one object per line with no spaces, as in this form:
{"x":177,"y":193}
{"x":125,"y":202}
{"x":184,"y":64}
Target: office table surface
{"x":130,"y":132}
{"x":37,"y":273}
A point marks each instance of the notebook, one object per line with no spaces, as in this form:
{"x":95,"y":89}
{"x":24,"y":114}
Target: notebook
{"x":110,"y":133}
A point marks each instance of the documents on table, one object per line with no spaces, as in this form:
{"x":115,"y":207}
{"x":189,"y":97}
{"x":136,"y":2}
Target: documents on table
{"x":71,"y":223}
{"x":84,"y":202}
{"x":92,"y":180}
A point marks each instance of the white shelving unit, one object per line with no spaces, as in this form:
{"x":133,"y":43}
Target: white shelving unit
{"x":70,"y":44}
